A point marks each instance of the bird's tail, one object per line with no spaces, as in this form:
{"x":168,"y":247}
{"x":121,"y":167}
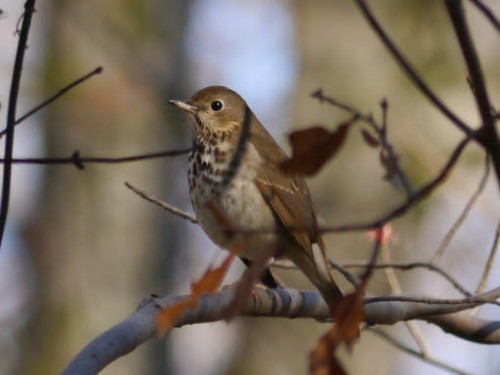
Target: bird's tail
{"x":314,"y":264}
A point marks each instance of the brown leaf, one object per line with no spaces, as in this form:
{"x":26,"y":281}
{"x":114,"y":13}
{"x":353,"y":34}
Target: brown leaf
{"x":312,"y":148}
{"x":348,"y":317}
{"x":209,"y":283}
{"x":212,"y":279}
{"x":369,"y":138}
{"x":166,"y":318}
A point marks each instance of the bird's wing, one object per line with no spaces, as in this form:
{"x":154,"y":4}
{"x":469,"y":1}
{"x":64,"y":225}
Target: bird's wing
{"x":288,"y":195}
{"x":290,"y":200}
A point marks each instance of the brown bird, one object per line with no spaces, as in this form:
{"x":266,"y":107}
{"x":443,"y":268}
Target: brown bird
{"x":235,"y":177}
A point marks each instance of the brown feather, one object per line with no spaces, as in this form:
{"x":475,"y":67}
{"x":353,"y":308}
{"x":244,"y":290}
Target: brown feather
{"x":288,"y":196}
{"x":291,"y":202}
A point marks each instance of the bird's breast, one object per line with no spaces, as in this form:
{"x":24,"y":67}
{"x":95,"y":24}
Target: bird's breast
{"x":222,"y":196}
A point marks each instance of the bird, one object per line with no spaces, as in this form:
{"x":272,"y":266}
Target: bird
{"x":235,"y":179}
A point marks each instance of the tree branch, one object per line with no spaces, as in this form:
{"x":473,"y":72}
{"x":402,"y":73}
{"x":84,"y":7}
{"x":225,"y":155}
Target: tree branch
{"x":54,"y":97}
{"x":405,"y":348}
{"x":410,"y":202}
{"x":29,"y":9}
{"x":286,"y":303}
{"x":487,"y":135}
{"x":463,"y":215}
{"x":79,"y":162}
{"x":489,"y":263}
{"x":488,"y":13}
{"x":408,"y":68}
{"x":168,"y":207}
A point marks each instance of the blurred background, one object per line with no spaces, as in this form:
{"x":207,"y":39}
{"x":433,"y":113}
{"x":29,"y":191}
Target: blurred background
{"x":81,"y":250}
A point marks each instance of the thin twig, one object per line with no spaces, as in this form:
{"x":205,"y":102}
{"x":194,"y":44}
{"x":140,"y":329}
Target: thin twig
{"x":409,"y":70}
{"x":488,"y":13}
{"x":372,"y":262}
{"x":80,"y":162}
{"x":403,"y":347}
{"x":52,"y":98}
{"x":172,"y":209}
{"x":340,"y":268}
{"x":484,"y":298}
{"x":463,"y":215}
{"x":489,"y":263}
{"x":29,"y":9}
{"x":487,"y":135}
{"x":403,"y":208}
{"x":413,"y":265}
{"x":388,"y":156}
{"x":393,"y":282}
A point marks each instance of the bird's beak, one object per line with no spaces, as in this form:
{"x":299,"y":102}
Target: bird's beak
{"x":184,"y":106}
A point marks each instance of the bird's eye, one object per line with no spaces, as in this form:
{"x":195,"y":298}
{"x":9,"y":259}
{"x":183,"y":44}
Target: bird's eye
{"x":216,"y":105}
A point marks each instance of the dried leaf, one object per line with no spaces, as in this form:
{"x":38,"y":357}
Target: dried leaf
{"x":166,"y":318}
{"x":212,"y":279}
{"x":209,"y":283}
{"x":369,"y":138}
{"x":348,"y":317}
{"x":312,"y":148}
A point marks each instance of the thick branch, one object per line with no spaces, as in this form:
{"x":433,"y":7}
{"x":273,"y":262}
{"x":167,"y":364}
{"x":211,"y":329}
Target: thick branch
{"x":488,"y":136}
{"x":289,"y":303}
{"x":408,"y":69}
{"x":29,"y":9}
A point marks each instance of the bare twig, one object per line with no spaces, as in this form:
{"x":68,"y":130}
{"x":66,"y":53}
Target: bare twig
{"x":403,"y":208}
{"x":388,"y":156}
{"x":485,"y":298}
{"x":488,"y":13}
{"x":172,"y":209}
{"x":393,"y":282}
{"x":409,"y":70}
{"x":413,"y":265}
{"x":80,"y":162}
{"x":341,"y":269}
{"x":487,"y":135}
{"x":489,"y":263}
{"x":401,"y":346}
{"x":372,"y":262}
{"x":463,"y":215}
{"x":29,"y":9}
{"x":54,"y":97}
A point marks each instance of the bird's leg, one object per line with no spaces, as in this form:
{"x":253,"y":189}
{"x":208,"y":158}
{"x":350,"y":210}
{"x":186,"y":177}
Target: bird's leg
{"x":244,"y":286}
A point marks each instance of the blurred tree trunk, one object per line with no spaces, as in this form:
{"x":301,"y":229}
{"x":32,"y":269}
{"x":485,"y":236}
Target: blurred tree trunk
{"x":97,"y":247}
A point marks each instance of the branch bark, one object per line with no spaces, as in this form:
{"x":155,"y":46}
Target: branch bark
{"x":287,"y":303}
